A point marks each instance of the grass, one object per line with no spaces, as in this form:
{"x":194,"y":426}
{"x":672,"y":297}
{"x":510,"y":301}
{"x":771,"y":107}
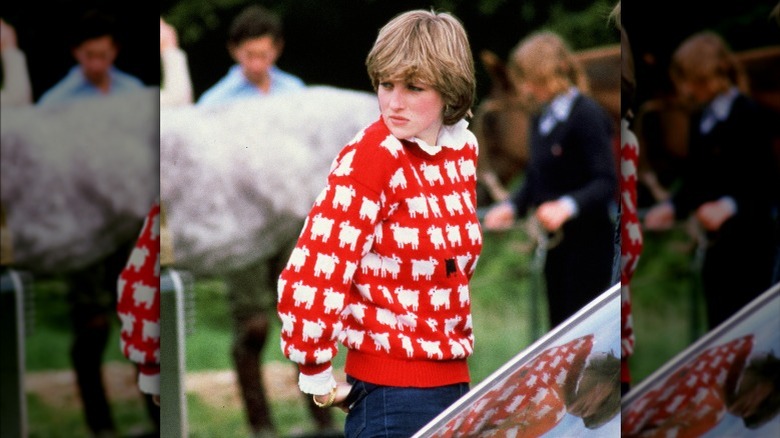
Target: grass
{"x":503,"y":311}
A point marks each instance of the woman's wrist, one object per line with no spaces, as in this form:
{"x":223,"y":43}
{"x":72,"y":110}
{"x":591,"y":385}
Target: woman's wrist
{"x":326,"y":400}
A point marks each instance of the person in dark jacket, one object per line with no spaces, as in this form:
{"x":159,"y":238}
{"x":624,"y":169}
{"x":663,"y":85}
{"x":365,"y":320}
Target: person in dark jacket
{"x":731,"y":178}
{"x":571,"y":181}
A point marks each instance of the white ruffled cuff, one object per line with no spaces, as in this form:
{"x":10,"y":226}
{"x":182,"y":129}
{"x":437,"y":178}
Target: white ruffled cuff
{"x":317,"y":384}
{"x":149,"y":383}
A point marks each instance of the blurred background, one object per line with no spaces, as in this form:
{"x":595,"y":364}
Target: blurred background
{"x":326,"y":43}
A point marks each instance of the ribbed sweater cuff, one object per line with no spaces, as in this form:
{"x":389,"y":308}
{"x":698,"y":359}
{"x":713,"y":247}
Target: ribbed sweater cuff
{"x":390,"y":371}
{"x":149,"y":379}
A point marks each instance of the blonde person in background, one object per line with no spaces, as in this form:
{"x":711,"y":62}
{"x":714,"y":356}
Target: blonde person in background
{"x":571,"y":184}
{"x":16,"y":81}
{"x":176,"y":87}
{"x":731,"y":178}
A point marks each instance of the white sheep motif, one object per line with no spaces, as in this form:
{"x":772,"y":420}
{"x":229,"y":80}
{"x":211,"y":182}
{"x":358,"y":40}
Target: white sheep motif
{"x":390,"y":265}
{"x":345,"y":165}
{"x":417,"y":205}
{"x":343,"y":197}
{"x":433,"y":203}
{"x":392,"y":144}
{"x":452,"y":171}
{"x":325,"y":264}
{"x":143,"y":294}
{"x":303,"y":294}
{"x":312,"y":330}
{"x":288,"y":323}
{"x":298,"y":258}
{"x":368,"y":209}
{"x":398,"y":180}
{"x":321,"y":226}
{"x":431,"y":348}
{"x":440,"y":297}
{"x":348,"y":235}
{"x":405,"y":236}
{"x":151,"y":330}
{"x":453,"y":235}
{"x":424,"y":268}
{"x":467,"y":168}
{"x":334,"y":301}
{"x":409,"y":298}
{"x":452,"y":203}
{"x":432,"y":174}
{"x":437,"y":238}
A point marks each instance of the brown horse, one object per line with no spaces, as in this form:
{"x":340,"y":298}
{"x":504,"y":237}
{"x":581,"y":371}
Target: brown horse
{"x":501,"y":120}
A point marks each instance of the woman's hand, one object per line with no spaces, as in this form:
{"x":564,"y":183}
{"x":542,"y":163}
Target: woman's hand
{"x":341,"y":392}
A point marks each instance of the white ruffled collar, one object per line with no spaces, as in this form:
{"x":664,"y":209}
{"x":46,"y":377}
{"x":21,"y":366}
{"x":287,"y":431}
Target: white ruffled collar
{"x":450,"y":136}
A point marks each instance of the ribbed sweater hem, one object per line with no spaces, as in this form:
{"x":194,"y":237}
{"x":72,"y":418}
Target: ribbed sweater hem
{"x":390,"y":371}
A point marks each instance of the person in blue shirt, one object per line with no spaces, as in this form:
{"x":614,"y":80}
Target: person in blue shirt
{"x":95,"y":48}
{"x":255,"y":42}
{"x":91,"y":290}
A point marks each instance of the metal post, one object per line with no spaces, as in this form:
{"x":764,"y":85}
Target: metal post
{"x":13,"y":403}
{"x":173,"y":329}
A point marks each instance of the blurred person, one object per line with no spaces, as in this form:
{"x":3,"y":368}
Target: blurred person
{"x":92,"y":294}
{"x":384,"y":260}
{"x":16,"y":89}
{"x":255,"y":42}
{"x":731,"y":178}
{"x":570,"y":181}
{"x":176,"y":88}
{"x":95,"y":47}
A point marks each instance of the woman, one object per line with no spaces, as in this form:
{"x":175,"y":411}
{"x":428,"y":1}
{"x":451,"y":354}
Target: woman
{"x":386,"y":254}
{"x":731,"y":178}
{"x":571,"y":180}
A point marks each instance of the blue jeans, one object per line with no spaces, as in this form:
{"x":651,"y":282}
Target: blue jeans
{"x":389,"y":411}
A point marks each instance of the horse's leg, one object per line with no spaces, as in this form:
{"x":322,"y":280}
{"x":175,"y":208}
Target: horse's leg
{"x":245,"y":291}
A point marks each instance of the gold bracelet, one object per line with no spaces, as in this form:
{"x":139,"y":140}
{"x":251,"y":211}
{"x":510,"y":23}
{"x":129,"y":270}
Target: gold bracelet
{"x":329,"y":402}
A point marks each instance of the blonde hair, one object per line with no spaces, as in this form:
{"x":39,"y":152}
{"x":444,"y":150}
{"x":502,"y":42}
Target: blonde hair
{"x":706,"y":55}
{"x":431,"y":48}
{"x":544,"y":58}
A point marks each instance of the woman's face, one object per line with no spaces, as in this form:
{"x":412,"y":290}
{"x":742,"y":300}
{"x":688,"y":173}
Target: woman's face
{"x":698,"y":89}
{"x":411,"y":109}
{"x":537,"y":90}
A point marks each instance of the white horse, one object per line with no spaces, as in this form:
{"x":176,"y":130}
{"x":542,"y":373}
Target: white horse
{"x":236,"y":183}
{"x":77,"y":180}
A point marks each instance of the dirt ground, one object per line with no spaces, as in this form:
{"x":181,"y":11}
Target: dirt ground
{"x":217,"y":388}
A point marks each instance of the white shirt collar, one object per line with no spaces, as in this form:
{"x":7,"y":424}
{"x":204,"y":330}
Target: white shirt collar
{"x":561,"y":105}
{"x":718,"y":110}
{"x":721,"y":105}
{"x":558,"y":110}
{"x":451,"y":136}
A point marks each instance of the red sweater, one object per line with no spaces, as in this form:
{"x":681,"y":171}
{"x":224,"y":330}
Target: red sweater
{"x":138,"y":304}
{"x":383,"y":262}
{"x":630,"y":241}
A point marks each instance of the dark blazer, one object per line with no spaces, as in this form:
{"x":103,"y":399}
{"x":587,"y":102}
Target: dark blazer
{"x":576,"y":158}
{"x":734,"y":159}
